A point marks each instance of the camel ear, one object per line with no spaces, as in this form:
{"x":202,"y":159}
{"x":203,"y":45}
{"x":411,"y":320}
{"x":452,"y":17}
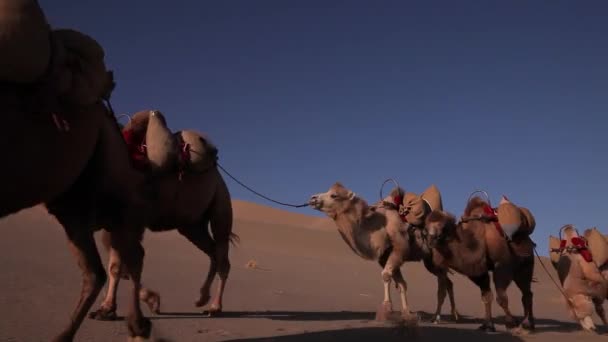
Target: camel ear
{"x":351,"y":195}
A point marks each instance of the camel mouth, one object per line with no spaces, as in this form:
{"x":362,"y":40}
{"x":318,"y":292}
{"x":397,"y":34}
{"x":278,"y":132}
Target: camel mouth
{"x":432,"y":241}
{"x":315,"y":203}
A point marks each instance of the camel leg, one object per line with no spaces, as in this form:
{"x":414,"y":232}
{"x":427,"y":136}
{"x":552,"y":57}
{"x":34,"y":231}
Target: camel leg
{"x":199,"y":236}
{"x":402,"y":284}
{"x":483,"y":282}
{"x":502,"y":279}
{"x":82,"y":246}
{"x":127,"y":243}
{"x":107,"y":309}
{"x":599,"y":309}
{"x":386,"y":308}
{"x":445,"y":287}
{"x":523,"y":280}
{"x":450,"y":287}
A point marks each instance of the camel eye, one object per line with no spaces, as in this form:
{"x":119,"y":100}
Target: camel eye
{"x":334,"y":196}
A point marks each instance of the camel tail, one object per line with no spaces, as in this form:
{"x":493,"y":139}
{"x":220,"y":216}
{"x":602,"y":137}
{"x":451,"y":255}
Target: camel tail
{"x":234,"y":239}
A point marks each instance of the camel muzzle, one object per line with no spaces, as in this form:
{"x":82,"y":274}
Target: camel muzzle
{"x":432,"y":239}
{"x":315,"y":202}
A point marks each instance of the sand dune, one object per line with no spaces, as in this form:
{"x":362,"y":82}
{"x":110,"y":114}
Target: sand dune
{"x":309,"y":287}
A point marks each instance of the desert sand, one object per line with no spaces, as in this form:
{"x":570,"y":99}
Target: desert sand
{"x":307,"y":286}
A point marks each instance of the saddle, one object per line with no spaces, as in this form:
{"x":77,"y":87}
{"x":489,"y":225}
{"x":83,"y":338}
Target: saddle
{"x":515,"y":224}
{"x":154,"y":148}
{"x":592,"y":245}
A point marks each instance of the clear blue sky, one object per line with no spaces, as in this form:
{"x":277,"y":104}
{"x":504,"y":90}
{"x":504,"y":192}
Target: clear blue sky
{"x":505,"y":96}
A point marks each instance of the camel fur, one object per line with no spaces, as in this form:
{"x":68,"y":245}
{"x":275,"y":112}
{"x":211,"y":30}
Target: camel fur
{"x":378,"y":233}
{"x":583,"y":284}
{"x":192,"y":204}
{"x":474,"y":248}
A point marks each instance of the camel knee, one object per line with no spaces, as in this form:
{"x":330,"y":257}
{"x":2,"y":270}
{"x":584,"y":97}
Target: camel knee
{"x":502,"y":299}
{"x":223,"y":269}
{"x":487,"y":297}
{"x":387,"y":273}
{"x":95,"y":280}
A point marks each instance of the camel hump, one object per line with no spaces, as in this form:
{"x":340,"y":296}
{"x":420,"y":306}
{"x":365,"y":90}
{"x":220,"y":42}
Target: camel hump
{"x":161,"y":147}
{"x":24,"y":41}
{"x":598,"y":246}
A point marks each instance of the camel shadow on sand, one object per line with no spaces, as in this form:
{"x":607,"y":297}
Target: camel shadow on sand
{"x":389,"y":334}
{"x":542,"y":324}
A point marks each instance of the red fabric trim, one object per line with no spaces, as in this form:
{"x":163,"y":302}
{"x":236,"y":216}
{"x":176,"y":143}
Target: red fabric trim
{"x":581,"y":247}
{"x":586,"y":254}
{"x":135,"y":146}
{"x":398,"y":201}
{"x":491,"y":212}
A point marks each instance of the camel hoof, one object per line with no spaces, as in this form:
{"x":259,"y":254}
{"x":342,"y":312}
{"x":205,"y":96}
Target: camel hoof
{"x":153,"y":303}
{"x":139,"y":327}
{"x":436,"y":320}
{"x":384,"y":312}
{"x":410,"y":318}
{"x":202,"y":301}
{"x":456,"y":316}
{"x":510,"y":325}
{"x":103,"y":314}
{"x":213,"y":311}
{"x":526,"y":324}
{"x":63,"y":337}
{"x":487,"y":327}
{"x":519,"y":331}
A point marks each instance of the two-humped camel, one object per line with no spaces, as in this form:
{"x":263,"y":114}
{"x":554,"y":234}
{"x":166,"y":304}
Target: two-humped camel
{"x":580,"y":262}
{"x":475,"y":246}
{"x":379,"y":233}
{"x":62,"y":146}
{"x":190,"y":203}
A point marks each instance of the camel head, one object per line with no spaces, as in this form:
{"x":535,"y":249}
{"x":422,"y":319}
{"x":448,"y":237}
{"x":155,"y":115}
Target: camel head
{"x":338,"y":199}
{"x":439,"y":225}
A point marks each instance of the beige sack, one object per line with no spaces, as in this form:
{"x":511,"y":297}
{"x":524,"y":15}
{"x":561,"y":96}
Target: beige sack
{"x":82,"y":70}
{"x":25,"y":46}
{"x":554,"y":243}
{"x":515,"y":219}
{"x":200,"y":155}
{"x":528,"y":222}
{"x":597,"y":245}
{"x":419,"y":206}
{"x":160,"y":143}
{"x":433,"y":197}
{"x":138,"y":122}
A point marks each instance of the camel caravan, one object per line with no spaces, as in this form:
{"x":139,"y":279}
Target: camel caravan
{"x":405,"y":227}
{"x":70,"y":154}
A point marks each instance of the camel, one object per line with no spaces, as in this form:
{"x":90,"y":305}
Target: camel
{"x":378,"y":233}
{"x":474,"y":247}
{"x":201,"y":198}
{"x":110,"y":193}
{"x":62,"y":147}
{"x":584,"y":286}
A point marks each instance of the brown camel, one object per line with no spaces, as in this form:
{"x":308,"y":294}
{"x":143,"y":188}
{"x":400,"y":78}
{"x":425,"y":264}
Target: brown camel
{"x":378,"y":233}
{"x":57,"y":140}
{"x":190,"y":204}
{"x":109,"y":193}
{"x":474,"y":247}
{"x":583,"y":284}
